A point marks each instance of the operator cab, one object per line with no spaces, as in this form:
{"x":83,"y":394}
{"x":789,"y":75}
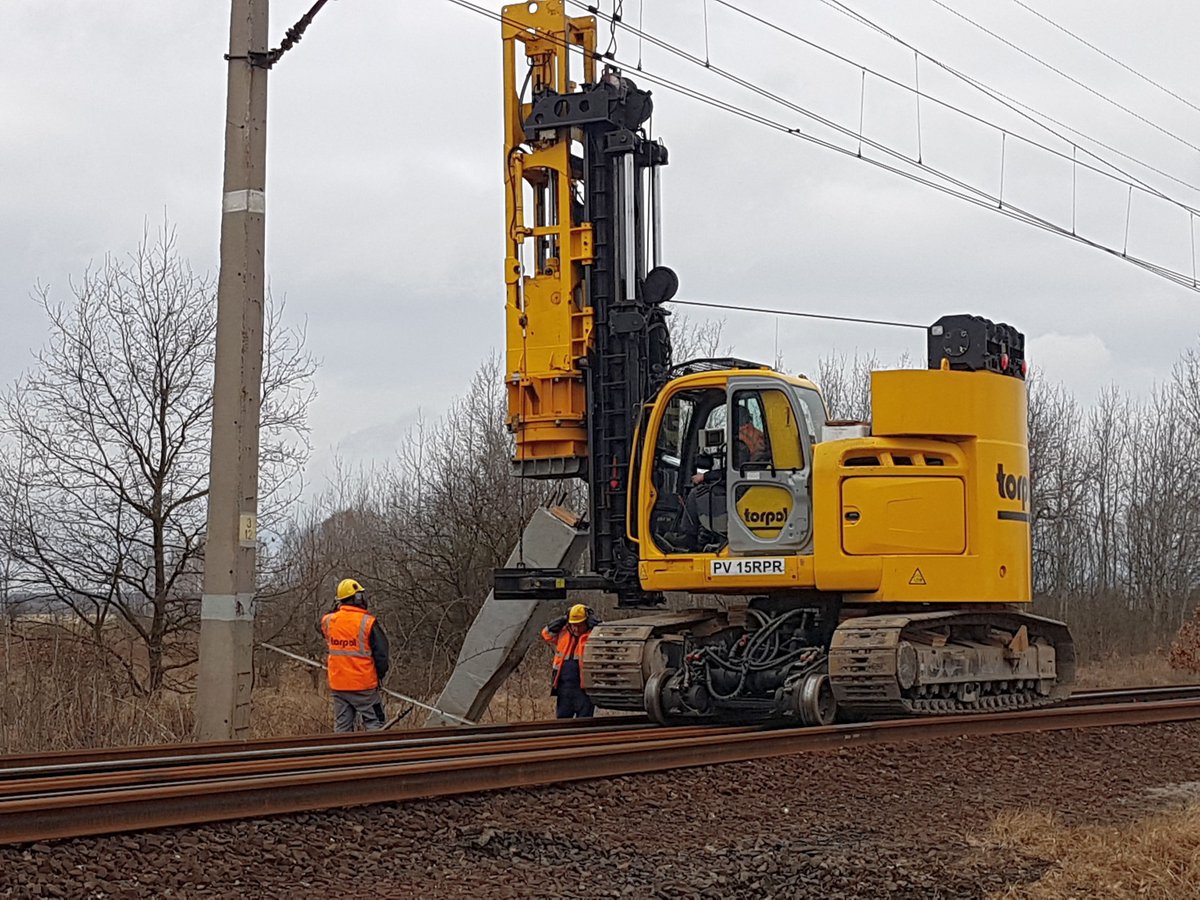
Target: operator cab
{"x":731,"y":463}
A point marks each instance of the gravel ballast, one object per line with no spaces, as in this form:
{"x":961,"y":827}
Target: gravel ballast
{"x":893,"y":821}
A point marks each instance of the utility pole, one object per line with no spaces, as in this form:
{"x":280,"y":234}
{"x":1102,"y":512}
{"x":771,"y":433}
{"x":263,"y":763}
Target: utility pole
{"x":227,"y":607}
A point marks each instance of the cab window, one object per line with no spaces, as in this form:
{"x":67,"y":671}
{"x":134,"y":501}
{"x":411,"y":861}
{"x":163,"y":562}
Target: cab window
{"x":690,"y":464}
{"x":764,"y":433}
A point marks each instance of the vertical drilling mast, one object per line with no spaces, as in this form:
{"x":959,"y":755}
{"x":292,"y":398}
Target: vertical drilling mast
{"x":587,"y":342}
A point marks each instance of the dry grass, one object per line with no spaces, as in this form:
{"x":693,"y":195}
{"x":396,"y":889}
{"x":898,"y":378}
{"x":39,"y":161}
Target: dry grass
{"x":525,"y":694}
{"x":61,"y":692}
{"x":58,"y":691}
{"x":1130,"y":671}
{"x":291,"y":706}
{"x":1154,"y":857}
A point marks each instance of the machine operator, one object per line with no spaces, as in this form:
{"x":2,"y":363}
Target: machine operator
{"x":705,"y":514}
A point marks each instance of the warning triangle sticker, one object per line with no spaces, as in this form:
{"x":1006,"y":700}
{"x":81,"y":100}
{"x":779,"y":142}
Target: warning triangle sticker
{"x":917,"y":577}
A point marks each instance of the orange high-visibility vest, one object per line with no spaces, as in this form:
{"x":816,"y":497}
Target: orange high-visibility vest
{"x":566,"y":646}
{"x":348,"y":640}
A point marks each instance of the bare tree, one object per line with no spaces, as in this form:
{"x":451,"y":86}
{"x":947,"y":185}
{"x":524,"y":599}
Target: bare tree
{"x":1061,"y":476}
{"x":111,"y":428}
{"x":846,"y":385}
{"x":9,"y":494}
{"x":696,"y":338}
{"x":422,"y":533}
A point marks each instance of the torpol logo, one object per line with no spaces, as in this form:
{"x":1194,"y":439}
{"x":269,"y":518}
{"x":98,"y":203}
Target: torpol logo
{"x":1012,"y":487}
{"x":764,"y":510}
{"x":772,"y":518}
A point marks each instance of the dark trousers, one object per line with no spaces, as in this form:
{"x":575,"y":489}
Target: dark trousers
{"x":349,"y":706}
{"x":573,"y":702}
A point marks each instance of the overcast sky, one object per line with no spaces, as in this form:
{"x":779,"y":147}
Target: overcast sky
{"x":385,"y":200}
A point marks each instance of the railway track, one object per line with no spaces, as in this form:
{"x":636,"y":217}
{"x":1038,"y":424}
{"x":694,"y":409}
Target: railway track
{"x":72,"y":794}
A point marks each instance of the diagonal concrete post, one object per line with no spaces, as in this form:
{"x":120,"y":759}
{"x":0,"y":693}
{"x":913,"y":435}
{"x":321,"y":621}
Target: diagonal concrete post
{"x":504,"y":629}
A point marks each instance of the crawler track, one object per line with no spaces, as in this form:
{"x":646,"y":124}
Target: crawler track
{"x":97,"y":792}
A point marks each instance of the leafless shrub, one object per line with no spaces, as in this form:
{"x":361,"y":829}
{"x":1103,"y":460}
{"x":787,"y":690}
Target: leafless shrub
{"x":64,"y":691}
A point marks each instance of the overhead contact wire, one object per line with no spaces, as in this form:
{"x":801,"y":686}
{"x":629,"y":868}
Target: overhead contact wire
{"x":1071,"y":78}
{"x":1128,"y":68}
{"x":975,"y":195}
{"x":993,"y":94}
{"x":966,"y":191}
{"x":969,"y":193}
{"x":1024,"y":110}
{"x":736,"y":307}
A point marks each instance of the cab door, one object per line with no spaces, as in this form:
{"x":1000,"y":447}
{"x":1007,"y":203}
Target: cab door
{"x":768,"y":459}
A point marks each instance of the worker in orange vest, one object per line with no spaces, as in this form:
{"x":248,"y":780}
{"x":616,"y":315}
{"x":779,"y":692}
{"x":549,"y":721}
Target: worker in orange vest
{"x":569,"y":634}
{"x":357,"y":661}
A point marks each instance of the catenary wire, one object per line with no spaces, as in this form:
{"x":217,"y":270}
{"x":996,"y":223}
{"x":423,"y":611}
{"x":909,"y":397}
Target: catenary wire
{"x":976,"y":196}
{"x":980,"y":119}
{"x":642,"y":35}
{"x":969,"y":194}
{"x":736,"y":307}
{"x":1128,"y":68}
{"x":1066,"y":75}
{"x":851,"y":133}
{"x":883,"y":148}
{"x":1022,"y":109}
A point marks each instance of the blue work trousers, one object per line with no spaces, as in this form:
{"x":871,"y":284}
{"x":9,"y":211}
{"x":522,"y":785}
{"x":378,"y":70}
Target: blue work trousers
{"x":573,"y":702}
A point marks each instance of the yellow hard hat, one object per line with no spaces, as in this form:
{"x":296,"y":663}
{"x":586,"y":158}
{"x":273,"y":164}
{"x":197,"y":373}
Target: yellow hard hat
{"x":347,"y":588}
{"x":577,"y":614}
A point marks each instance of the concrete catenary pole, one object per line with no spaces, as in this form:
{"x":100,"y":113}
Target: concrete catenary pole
{"x":227,"y":607}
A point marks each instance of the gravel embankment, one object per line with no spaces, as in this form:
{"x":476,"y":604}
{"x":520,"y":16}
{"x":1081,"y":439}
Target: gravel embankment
{"x":896,"y":821}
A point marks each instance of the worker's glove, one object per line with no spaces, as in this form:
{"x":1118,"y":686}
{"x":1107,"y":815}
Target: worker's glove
{"x":592,"y":620}
{"x":557,"y":625}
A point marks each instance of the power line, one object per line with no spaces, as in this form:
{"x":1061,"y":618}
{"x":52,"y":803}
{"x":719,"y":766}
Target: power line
{"x":947,"y":183}
{"x":918,"y":162}
{"x":1146,"y":78}
{"x":1024,"y":110}
{"x":977,"y":118}
{"x":969,"y":194}
{"x":1069,"y":77}
{"x":735,"y":307}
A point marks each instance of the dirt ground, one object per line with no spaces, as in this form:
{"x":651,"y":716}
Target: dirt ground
{"x":908,"y":820}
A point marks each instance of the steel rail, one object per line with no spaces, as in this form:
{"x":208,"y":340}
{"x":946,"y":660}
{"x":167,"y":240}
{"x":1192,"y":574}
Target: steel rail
{"x":143,"y":752}
{"x":1135,"y":694}
{"x":62,"y":763}
{"x":307,"y":749}
{"x":61,"y":785}
{"x":349,"y":783}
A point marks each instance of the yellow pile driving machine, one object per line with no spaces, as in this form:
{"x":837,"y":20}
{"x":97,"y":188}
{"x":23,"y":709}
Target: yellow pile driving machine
{"x":862,"y":569}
